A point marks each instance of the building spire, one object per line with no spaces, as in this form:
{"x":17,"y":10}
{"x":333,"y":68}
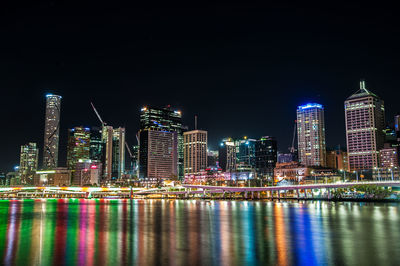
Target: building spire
{"x":362,"y":85}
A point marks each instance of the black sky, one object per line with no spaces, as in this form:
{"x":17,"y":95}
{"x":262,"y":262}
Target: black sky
{"x":242,"y":68}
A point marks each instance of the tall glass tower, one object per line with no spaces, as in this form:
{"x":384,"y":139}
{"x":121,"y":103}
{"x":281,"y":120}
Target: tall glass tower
{"x":311,"y":134}
{"x":164,"y":119}
{"x":51,"y":131}
{"x":78,"y":146}
{"x":28,"y":162}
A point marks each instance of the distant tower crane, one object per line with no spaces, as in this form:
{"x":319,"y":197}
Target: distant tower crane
{"x":98,"y":115}
{"x":105,"y":124}
{"x":292,"y":149}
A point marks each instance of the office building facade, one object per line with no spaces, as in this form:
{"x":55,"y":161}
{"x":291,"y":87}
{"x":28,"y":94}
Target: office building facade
{"x":96,"y":144}
{"x":87,"y":172}
{"x":266,"y":156}
{"x":212,"y":158}
{"x":337,"y":159}
{"x":365,"y":121}
{"x":165,"y":119}
{"x":389,"y":157}
{"x":245,"y":154}
{"x":227,"y":155}
{"x":158,"y":155}
{"x":118,"y":153}
{"x":107,"y":139}
{"x":311,"y":135}
{"x":51,"y":131}
{"x":29,"y":158}
{"x":78,"y":145}
{"x":195,"y":151}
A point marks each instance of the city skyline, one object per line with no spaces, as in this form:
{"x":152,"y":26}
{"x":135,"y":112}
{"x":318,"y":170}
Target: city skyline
{"x":236,"y":70}
{"x":221,"y":133}
{"x":215,"y":142}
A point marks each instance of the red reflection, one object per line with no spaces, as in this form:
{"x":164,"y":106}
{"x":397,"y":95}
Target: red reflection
{"x":61,"y":231}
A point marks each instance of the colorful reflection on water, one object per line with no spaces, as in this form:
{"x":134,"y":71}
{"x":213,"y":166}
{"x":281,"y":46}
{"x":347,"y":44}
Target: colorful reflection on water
{"x":175,"y":232}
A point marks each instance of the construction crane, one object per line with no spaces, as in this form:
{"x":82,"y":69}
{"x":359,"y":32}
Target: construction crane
{"x":98,"y":115}
{"x":129,"y":150}
{"x":292,"y":149}
{"x":105,"y":124}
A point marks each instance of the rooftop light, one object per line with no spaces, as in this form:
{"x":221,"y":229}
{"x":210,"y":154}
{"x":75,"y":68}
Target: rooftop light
{"x":310,"y":105}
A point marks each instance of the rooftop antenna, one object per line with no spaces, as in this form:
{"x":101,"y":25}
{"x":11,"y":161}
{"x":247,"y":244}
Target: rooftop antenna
{"x":362,"y":85}
{"x":195,"y":122}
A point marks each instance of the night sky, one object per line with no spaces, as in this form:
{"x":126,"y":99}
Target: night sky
{"x":243,"y":69}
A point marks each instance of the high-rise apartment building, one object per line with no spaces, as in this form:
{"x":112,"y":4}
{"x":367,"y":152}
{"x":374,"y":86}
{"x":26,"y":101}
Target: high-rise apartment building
{"x":195,"y":151}
{"x":365,"y":121}
{"x":29,"y":158}
{"x":227,"y":155}
{"x":78,"y":146}
{"x":51,"y":131}
{"x":165,"y":119}
{"x":158,"y":155}
{"x":311,"y":134}
{"x":266,"y":155}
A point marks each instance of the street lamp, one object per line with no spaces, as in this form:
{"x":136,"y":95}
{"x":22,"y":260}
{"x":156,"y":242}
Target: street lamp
{"x":356,"y":175}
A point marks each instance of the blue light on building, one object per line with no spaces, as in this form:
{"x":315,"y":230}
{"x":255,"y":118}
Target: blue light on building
{"x":310,"y":105}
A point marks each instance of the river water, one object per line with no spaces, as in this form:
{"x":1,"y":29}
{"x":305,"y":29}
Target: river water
{"x":196,"y":232}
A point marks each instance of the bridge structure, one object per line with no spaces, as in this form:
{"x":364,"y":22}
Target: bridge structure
{"x":70,"y":192}
{"x":298,"y":191}
{"x":187,"y":191}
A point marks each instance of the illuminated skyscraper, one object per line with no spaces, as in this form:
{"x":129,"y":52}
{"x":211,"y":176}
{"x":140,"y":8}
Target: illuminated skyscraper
{"x":51,"y":131}
{"x":245,"y":154}
{"x":118,"y":152}
{"x":165,"y":119}
{"x":195,"y":151}
{"x":78,"y":146}
{"x":29,"y":158}
{"x":266,"y":154}
{"x":114,"y":159}
{"x":107,"y":138}
{"x":311,"y":135}
{"x":365,"y":121}
{"x":227,"y":155}
{"x":157,"y":155}
{"x":96,"y":144}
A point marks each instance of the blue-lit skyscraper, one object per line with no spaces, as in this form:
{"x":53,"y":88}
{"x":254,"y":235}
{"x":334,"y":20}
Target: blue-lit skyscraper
{"x":311,"y":135}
